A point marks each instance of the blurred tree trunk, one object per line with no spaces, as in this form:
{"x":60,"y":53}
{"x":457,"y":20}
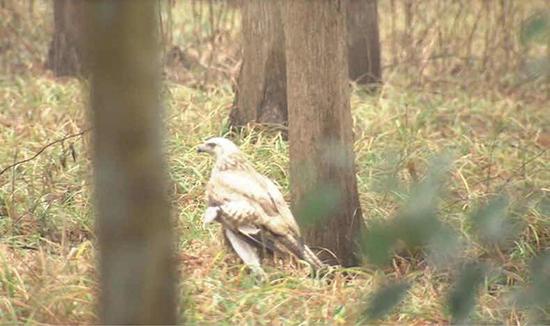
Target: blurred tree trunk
{"x":64,"y":55}
{"x":363,"y":42}
{"x":322,"y":168}
{"x":133,"y":222}
{"x":31,"y":7}
{"x":261,"y":89}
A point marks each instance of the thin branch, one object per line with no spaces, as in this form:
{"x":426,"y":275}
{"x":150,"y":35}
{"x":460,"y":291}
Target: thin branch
{"x":514,"y":174}
{"x":433,"y":57}
{"x":42,"y":150}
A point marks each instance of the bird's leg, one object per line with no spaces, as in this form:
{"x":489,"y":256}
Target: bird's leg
{"x":259,"y":274}
{"x":211,"y":213}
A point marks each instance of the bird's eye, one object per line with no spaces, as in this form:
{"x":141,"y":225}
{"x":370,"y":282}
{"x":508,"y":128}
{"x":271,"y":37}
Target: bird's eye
{"x":211,"y":145}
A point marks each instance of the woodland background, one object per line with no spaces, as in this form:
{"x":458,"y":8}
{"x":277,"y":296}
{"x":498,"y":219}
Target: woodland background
{"x":451,"y":159}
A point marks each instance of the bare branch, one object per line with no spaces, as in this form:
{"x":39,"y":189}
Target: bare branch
{"x":43,"y":149}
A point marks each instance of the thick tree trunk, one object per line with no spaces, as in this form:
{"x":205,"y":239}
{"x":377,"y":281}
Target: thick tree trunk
{"x":133,"y":222}
{"x":64,"y":55}
{"x":322,"y":166}
{"x":261,"y":89}
{"x":363,"y":42}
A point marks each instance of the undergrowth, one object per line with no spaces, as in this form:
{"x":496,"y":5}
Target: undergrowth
{"x":497,"y":141}
{"x":47,"y":242}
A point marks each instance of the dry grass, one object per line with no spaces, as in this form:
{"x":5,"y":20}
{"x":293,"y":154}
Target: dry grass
{"x":499,"y":142}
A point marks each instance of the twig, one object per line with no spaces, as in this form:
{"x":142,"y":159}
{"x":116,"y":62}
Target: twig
{"x":490,"y":165}
{"x":433,"y":57}
{"x":42,"y":150}
{"x":515,"y":173}
{"x":521,"y":169}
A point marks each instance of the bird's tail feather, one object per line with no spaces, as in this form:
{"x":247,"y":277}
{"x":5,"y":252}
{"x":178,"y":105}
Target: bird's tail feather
{"x":282,"y":244}
{"x":302,"y":251}
{"x":312,"y":258}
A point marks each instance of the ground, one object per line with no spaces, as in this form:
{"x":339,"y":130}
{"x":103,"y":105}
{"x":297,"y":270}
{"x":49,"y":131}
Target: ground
{"x":497,"y":141}
{"x":47,"y":249}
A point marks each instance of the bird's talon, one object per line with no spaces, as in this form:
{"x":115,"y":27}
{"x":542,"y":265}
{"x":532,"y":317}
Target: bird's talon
{"x":259,"y":273}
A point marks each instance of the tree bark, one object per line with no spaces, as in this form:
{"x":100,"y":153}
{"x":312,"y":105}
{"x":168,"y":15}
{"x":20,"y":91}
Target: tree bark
{"x":363,"y":42}
{"x":64,"y":55}
{"x":322,"y":166}
{"x":136,"y":267}
{"x":261,"y":89}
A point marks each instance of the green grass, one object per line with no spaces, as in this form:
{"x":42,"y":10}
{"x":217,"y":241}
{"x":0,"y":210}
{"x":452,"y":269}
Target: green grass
{"x":46,"y":204}
{"x":498,"y":141}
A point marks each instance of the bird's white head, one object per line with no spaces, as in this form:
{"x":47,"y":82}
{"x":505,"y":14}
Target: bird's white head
{"x":218,"y":146}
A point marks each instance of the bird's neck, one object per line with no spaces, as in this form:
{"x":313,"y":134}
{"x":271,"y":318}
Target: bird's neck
{"x":233,"y":161}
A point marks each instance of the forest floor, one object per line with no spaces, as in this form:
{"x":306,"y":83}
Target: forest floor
{"x":498,"y":145}
{"x":497,"y":142}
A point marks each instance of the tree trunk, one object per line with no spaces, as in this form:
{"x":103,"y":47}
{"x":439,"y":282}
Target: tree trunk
{"x":322,"y":166}
{"x":261,"y":89}
{"x":64,"y":55}
{"x":363,"y":42}
{"x":133,"y":222}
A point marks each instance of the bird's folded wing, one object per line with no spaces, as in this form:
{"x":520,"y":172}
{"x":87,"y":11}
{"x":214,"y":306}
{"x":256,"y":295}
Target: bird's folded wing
{"x":247,"y":220}
{"x":252,"y":207}
{"x":279,"y":202}
{"x":259,"y":192}
{"x":258,"y":236}
{"x":246,"y":252}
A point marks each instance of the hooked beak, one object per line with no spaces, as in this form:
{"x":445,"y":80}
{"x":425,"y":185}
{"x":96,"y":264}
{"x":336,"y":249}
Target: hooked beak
{"x":201,"y":149}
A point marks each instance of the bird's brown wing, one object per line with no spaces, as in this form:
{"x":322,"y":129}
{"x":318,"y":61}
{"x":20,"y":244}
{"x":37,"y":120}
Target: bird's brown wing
{"x":252,"y":207}
{"x":279,"y":203}
{"x":259,"y":193}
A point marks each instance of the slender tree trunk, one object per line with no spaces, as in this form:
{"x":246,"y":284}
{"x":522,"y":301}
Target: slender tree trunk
{"x":261,"y":89}
{"x":134,"y":233}
{"x":64,"y":55}
{"x":407,"y":39}
{"x":363,"y":42}
{"x":322,"y":167}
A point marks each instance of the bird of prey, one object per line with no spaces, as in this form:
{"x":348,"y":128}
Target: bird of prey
{"x":251,"y":209}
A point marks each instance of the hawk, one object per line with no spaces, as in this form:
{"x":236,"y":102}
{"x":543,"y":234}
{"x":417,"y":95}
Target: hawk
{"x":251,"y":209}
